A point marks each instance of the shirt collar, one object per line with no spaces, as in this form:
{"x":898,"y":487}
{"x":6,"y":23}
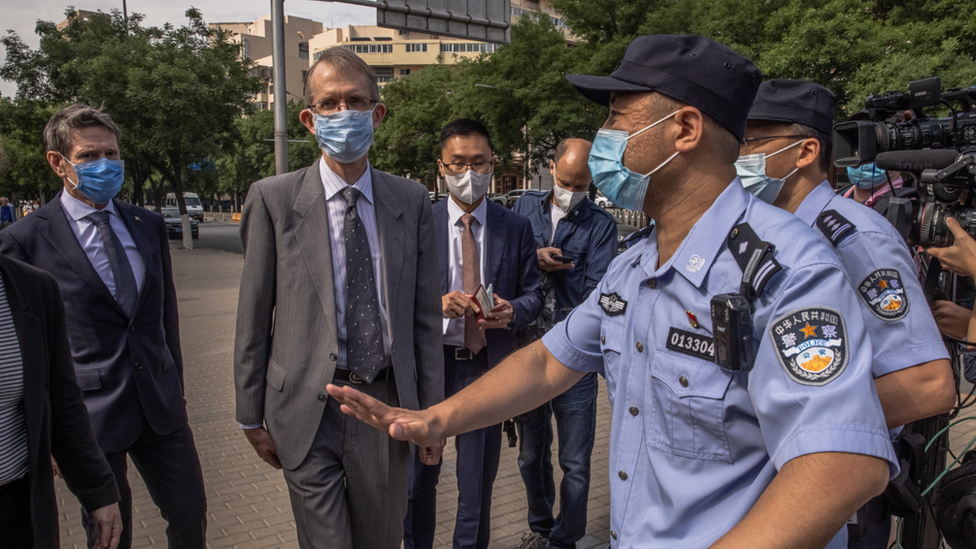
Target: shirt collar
{"x":454,"y":212}
{"x":701,"y":246}
{"x":815,"y":202}
{"x":77,"y":210}
{"x":334,"y":184}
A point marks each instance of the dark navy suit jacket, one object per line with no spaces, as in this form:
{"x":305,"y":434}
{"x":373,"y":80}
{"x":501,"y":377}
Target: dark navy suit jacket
{"x":511,"y":266}
{"x":130,"y":370}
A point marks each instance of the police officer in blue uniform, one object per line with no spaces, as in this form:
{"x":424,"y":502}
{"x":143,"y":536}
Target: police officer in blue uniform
{"x":736,"y":358}
{"x":576,"y":240}
{"x":788,"y":135}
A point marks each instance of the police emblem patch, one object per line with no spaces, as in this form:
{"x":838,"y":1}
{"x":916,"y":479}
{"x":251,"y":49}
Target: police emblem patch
{"x":883,"y":293}
{"x":811,"y":344}
{"x":612,"y":304}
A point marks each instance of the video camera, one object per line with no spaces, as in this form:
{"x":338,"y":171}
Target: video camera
{"x":940,"y":152}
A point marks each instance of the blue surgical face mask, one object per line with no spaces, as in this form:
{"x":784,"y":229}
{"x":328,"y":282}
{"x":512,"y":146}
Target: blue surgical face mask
{"x":867,"y":177}
{"x":98,"y":180}
{"x":751,"y":169}
{"x":621,"y":186}
{"x":345,"y":136}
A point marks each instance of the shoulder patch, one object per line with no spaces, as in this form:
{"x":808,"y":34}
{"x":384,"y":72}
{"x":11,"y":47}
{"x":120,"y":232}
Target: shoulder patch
{"x":883,"y":293}
{"x":612,"y":304}
{"x":811,"y":344}
{"x":834,"y":226}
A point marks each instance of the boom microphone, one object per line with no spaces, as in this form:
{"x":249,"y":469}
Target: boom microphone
{"x":916,"y":161}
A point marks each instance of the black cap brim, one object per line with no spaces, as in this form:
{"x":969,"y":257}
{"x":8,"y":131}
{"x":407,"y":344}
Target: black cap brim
{"x":598,"y":88}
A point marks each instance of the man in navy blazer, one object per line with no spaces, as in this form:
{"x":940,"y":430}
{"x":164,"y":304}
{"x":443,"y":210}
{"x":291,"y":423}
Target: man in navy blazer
{"x":479,"y":243}
{"x":112,"y":263}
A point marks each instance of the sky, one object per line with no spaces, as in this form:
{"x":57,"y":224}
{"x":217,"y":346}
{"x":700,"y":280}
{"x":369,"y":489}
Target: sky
{"x":21,"y":16}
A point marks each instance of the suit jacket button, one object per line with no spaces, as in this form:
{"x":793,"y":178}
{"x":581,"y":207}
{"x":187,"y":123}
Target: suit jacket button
{"x":322,"y":397}
{"x":132,"y":328}
{"x":333,"y":357}
{"x":138,"y":365}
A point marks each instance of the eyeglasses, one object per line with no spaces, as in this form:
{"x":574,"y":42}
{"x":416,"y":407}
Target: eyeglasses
{"x":748,"y":140}
{"x":459,"y":168}
{"x":353,"y":104}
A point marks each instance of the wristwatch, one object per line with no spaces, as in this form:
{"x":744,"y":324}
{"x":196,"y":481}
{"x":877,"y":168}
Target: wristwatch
{"x":511,"y":321}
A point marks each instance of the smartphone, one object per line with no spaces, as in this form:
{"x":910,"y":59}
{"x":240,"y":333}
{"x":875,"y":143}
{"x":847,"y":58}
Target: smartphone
{"x":562,"y":258}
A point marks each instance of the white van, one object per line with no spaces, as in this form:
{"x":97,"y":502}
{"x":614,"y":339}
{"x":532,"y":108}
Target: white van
{"x":193,"y":206}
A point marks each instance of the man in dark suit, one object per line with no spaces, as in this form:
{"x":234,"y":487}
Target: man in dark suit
{"x":339,"y":285}
{"x":479,"y":243}
{"x":112,"y":263}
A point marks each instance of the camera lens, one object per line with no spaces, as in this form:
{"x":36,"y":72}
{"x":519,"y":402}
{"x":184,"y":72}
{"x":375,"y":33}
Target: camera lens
{"x":932,"y":223}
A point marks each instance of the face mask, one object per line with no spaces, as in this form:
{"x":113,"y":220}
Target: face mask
{"x":751,"y":169}
{"x":469,"y":186}
{"x":621,"y":186}
{"x":98,"y":180}
{"x":867,"y":176}
{"x":345,"y":136}
{"x":566,"y":199}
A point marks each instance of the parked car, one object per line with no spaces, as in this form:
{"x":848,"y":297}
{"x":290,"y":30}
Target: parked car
{"x":174,"y":227}
{"x":436,"y":197}
{"x":603,"y":201}
{"x":193,"y":206}
{"x":499,"y":199}
{"x":514,"y":195}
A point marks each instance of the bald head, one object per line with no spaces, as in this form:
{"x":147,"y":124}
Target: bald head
{"x":569,"y":165}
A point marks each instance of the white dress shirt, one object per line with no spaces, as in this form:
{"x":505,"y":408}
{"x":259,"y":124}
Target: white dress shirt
{"x":336,"y":208}
{"x":91,"y":241}
{"x":454,"y":329}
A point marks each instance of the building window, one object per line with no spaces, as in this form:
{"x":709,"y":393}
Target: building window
{"x":244,"y":48}
{"x":303,"y":50}
{"x":370,"y":48}
{"x":416,"y":47}
{"x":316,"y":55}
{"x":261,"y":105}
{"x":402,"y":32}
{"x":382,"y":70}
{"x":454,"y":47}
{"x":383,"y":79}
{"x":359,"y":39}
{"x":304,"y":76}
{"x":404,"y":72}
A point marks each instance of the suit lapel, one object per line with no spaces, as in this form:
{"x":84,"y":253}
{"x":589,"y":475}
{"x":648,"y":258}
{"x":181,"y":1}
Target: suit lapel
{"x":440,"y":229}
{"x":59,"y":235}
{"x":387,"y":208}
{"x":496,"y":234}
{"x":313,"y":236}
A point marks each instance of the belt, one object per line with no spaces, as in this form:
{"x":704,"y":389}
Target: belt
{"x":461,"y":353}
{"x":353,"y":377}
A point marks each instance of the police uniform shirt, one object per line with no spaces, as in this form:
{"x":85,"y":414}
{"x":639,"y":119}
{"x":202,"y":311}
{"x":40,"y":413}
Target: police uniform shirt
{"x":693,"y":446}
{"x":883,"y":274}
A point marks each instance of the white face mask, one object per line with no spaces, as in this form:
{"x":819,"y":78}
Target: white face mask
{"x":468,"y":187}
{"x":565,"y":198}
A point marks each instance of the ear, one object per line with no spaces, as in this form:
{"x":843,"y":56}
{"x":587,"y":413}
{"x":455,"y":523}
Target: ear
{"x":307,"y":120}
{"x":809,"y":152}
{"x":378,"y":113}
{"x":552,"y":167}
{"x":440,"y":168}
{"x":58,"y":164}
{"x":688,"y":129}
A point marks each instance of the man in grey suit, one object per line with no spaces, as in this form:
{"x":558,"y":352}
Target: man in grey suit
{"x":340,"y":285}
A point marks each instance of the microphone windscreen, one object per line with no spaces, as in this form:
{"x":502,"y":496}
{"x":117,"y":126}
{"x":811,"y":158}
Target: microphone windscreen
{"x":916,"y":161}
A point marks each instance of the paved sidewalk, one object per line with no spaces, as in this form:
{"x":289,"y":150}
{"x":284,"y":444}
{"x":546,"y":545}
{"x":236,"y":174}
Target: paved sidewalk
{"x":248,"y":500}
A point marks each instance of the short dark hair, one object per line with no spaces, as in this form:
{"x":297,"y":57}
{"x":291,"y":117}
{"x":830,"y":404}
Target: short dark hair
{"x":826,"y":144}
{"x":464,"y":127}
{"x":345,"y":61}
{"x":57,"y":132}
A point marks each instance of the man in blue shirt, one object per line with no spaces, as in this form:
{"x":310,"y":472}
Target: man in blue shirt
{"x":6,"y":213}
{"x":779,"y":454}
{"x":910,"y":364}
{"x":569,"y":226}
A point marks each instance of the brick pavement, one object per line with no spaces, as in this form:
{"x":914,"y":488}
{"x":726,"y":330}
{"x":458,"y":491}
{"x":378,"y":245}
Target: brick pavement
{"x":248,"y":500}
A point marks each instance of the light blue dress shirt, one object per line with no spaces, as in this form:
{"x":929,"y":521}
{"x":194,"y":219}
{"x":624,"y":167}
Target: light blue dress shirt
{"x":903,"y":331}
{"x":336,"y":209}
{"x":91,"y":241}
{"x":454,"y":328}
{"x":693,"y":446}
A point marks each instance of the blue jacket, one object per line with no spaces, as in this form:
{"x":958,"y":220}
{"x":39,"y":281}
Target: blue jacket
{"x":588,"y":234}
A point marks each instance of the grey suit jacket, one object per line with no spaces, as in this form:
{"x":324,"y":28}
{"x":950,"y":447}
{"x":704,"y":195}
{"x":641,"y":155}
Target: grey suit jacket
{"x":286,"y":347}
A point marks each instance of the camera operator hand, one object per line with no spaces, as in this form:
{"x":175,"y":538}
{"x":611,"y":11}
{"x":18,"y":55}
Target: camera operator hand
{"x":960,"y":258}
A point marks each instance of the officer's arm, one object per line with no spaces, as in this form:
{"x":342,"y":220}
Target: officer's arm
{"x":809,"y":501}
{"x":523,"y":381}
{"x":916,"y":393}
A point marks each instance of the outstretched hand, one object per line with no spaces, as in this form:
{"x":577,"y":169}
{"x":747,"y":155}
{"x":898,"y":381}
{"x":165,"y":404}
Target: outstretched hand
{"x":960,"y":257}
{"x":417,"y":426}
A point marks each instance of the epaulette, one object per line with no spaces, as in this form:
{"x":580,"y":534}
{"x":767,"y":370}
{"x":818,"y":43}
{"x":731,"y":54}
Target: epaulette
{"x":637,"y":236}
{"x":834,"y":226}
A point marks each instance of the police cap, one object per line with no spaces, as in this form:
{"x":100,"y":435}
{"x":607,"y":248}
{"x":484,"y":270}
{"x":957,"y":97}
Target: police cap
{"x":689,"y":68}
{"x":795,"y":102}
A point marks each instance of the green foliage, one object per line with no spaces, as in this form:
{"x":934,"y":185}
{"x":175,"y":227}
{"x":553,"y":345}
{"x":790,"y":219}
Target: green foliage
{"x":25,"y":172}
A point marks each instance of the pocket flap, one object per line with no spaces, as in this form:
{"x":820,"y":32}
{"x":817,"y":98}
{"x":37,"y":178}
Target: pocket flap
{"x":89,"y":381}
{"x":276,"y":376}
{"x":690,"y":377}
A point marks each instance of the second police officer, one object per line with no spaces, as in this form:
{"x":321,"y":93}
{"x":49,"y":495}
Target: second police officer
{"x":788,"y":134}
{"x":777,"y":455}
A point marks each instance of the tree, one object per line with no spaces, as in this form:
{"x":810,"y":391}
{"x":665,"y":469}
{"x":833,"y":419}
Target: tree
{"x":25,"y":173}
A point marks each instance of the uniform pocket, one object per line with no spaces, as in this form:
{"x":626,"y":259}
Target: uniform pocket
{"x":612,"y":341}
{"x":688,"y":400}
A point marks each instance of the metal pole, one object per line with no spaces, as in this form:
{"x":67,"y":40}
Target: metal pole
{"x":278,"y":80}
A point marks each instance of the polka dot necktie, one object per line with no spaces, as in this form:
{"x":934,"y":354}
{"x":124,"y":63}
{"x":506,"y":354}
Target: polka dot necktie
{"x":364,"y":340}
{"x":474,"y":338}
{"x":126,"y":292}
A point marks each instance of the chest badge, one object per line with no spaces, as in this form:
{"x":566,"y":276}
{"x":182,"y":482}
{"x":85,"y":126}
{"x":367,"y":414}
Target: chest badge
{"x":612,"y":304}
{"x":811,"y":345}
{"x":883,"y":293}
{"x":692,"y":319}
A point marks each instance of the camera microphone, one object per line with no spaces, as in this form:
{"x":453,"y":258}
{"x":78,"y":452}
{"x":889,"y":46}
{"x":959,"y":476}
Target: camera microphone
{"x":916,"y":161}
